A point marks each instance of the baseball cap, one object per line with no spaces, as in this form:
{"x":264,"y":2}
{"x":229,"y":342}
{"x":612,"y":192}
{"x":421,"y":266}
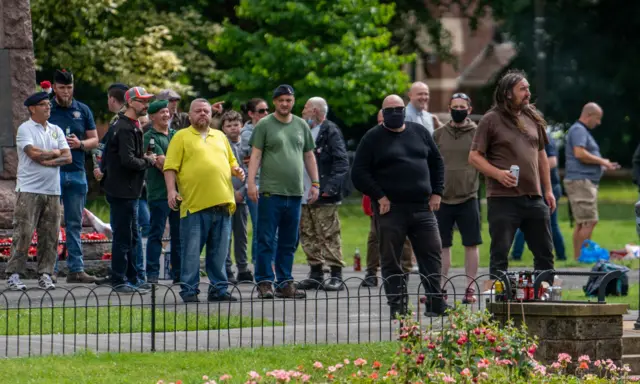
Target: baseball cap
{"x":283,"y":89}
{"x":137,"y":93}
{"x":168,"y":94}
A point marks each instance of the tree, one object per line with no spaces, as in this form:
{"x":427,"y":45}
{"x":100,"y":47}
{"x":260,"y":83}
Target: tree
{"x":336,"y":49}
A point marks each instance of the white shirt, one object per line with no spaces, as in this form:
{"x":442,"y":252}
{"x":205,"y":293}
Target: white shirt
{"x":33,"y":177}
{"x":307,"y":180}
{"x":421,"y":117}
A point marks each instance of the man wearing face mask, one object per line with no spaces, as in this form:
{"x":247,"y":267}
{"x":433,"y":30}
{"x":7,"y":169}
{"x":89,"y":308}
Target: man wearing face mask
{"x":319,"y":222}
{"x":460,"y":198}
{"x":399,"y":166}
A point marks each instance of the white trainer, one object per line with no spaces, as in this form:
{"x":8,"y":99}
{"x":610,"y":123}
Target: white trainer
{"x":45,"y":282}
{"x":14,"y":283}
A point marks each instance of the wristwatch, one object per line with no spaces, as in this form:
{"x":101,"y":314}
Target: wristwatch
{"x":81,"y":145}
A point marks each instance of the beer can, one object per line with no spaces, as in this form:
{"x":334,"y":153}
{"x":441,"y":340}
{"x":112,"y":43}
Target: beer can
{"x":178,"y":202}
{"x":515,"y":171}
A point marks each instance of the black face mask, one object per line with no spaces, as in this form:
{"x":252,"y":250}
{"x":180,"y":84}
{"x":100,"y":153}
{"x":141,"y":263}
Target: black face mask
{"x":393,"y":117}
{"x":458,"y":115}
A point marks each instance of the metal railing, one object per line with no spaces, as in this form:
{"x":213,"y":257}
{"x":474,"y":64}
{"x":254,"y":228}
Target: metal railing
{"x":97,"y":318}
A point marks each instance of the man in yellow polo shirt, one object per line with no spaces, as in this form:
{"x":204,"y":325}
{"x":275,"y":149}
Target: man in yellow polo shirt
{"x":201,"y":161}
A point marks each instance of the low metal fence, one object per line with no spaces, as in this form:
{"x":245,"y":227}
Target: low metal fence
{"x":97,"y":318}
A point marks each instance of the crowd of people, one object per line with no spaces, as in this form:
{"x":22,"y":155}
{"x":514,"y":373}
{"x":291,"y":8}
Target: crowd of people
{"x":287,"y":174}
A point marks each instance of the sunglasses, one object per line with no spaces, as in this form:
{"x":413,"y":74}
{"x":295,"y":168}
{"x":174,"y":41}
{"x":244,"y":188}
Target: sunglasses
{"x":461,"y":96}
{"x":263,"y":110}
{"x":394,"y":110}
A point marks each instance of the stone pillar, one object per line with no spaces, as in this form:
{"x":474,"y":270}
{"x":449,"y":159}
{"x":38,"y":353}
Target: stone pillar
{"x":17,"y":82}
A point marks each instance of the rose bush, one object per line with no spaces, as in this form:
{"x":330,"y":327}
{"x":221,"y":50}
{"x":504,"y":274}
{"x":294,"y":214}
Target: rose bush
{"x":468,"y":348}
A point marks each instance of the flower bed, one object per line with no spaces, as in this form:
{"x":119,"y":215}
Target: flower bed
{"x":470,"y":348}
{"x":5,"y":245}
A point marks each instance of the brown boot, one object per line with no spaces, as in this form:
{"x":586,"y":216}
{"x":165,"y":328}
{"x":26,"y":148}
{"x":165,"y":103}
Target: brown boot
{"x":265,"y":291}
{"x":80,"y":278}
{"x":289,"y":291}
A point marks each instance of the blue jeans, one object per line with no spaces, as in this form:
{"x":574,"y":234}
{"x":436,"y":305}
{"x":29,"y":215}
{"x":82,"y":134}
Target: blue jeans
{"x":210,"y":227}
{"x":144,"y":217}
{"x":138,"y":255}
{"x":558,"y":240}
{"x":281,"y":215}
{"x":74,"y":196}
{"x":126,"y":234}
{"x":160,"y":212}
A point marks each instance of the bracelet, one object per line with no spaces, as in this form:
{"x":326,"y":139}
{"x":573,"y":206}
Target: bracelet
{"x":315,"y":186}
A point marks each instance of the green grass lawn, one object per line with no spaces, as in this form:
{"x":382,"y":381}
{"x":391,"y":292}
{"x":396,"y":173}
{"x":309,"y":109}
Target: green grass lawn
{"x":113,"y":320}
{"x":615,"y":229}
{"x":631,"y":299}
{"x":140,"y":368}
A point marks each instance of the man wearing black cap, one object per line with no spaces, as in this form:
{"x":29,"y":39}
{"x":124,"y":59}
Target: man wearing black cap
{"x":123,"y":181}
{"x":42,"y":149}
{"x":282,"y":146}
{"x":76,"y":120}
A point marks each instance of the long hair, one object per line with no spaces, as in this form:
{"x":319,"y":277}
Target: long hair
{"x":504,"y":105}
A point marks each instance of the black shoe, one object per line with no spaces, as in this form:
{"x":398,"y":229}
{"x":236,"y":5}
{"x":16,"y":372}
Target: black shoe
{"x":214,"y":297}
{"x":176,"y":280}
{"x":397,"y":310}
{"x":314,"y":281}
{"x":231,"y":278}
{"x":104,"y":281}
{"x":435,"y":310}
{"x":369,"y":281}
{"x":245,"y":277}
{"x":335,"y":283}
{"x":191,"y":299}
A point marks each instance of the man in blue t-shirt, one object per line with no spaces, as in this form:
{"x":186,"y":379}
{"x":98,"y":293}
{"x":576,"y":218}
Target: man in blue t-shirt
{"x":584,"y":166}
{"x":76,"y":121}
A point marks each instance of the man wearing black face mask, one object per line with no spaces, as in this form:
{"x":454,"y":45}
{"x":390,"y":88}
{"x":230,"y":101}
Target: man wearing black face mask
{"x":460,"y":198}
{"x":398,"y":165}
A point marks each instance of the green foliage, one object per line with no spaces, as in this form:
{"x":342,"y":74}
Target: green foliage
{"x":337,"y":49}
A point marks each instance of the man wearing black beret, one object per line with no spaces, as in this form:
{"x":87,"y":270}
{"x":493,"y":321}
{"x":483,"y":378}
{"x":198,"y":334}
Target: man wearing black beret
{"x":76,"y":120}
{"x":42,"y":149}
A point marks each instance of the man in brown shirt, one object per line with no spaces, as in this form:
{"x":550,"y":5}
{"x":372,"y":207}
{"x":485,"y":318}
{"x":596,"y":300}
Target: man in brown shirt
{"x":460,"y":198}
{"x":513,"y":133}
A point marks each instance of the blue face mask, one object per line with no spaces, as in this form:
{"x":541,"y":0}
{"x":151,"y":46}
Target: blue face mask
{"x":311,"y":122}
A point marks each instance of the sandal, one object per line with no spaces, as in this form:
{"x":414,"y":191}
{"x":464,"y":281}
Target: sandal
{"x":469,"y":296}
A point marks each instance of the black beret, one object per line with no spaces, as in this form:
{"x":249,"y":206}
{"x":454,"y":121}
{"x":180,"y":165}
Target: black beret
{"x":124,"y":87}
{"x":283,"y":89}
{"x":36,"y":98}
{"x":63,"y":77}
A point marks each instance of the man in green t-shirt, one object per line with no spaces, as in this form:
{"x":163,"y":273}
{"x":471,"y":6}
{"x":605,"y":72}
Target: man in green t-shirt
{"x":157,"y":194}
{"x":282,"y":146}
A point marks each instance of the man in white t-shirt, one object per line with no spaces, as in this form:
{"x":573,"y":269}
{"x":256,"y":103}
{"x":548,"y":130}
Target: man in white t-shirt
{"x":42,"y":150}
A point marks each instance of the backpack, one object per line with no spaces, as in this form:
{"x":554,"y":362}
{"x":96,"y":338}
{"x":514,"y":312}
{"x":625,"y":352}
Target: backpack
{"x":616,"y":287}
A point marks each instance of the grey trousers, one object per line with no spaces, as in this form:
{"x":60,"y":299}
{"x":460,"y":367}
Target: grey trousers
{"x":239,"y":236}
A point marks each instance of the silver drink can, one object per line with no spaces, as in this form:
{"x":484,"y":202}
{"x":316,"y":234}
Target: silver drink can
{"x":515,"y":171}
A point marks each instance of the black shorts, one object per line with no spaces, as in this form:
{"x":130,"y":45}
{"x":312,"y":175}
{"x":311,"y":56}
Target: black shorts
{"x":466,"y":216}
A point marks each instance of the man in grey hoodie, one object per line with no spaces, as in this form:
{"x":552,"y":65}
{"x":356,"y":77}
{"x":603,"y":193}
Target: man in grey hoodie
{"x":460,"y":198}
{"x":231,"y":123}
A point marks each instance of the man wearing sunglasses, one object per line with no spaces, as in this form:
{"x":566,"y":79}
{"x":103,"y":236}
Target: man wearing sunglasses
{"x":417,"y":107}
{"x":399,"y":166}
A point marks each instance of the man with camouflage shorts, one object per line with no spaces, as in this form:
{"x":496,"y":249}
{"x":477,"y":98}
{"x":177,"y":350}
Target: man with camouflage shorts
{"x":42,"y":149}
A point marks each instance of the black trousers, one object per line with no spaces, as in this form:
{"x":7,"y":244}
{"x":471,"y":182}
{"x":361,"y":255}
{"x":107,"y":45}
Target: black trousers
{"x":531,"y":215}
{"x":419,"y":224}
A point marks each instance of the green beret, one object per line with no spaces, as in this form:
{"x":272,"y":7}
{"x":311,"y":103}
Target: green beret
{"x":157,"y":105}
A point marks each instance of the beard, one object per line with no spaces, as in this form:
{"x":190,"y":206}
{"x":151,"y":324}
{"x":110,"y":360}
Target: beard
{"x":141,"y":112}
{"x":64,"y":102}
{"x":201,"y":123}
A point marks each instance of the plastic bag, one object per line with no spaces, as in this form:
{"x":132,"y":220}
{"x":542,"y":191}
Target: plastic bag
{"x":591,"y":252}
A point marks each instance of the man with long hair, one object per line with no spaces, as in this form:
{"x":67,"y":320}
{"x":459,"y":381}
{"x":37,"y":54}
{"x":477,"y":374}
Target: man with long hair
{"x":512,"y":133}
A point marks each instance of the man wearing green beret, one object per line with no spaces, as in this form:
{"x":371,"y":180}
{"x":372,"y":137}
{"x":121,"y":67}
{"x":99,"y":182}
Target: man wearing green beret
{"x":161,"y":134}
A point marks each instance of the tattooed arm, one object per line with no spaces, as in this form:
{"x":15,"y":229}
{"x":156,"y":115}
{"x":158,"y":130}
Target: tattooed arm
{"x":63,"y":159}
{"x":41,"y":155}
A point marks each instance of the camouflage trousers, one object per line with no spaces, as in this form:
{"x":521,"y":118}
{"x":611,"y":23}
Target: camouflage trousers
{"x":39,"y":212}
{"x":373,"y":252}
{"x":320,"y":235}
